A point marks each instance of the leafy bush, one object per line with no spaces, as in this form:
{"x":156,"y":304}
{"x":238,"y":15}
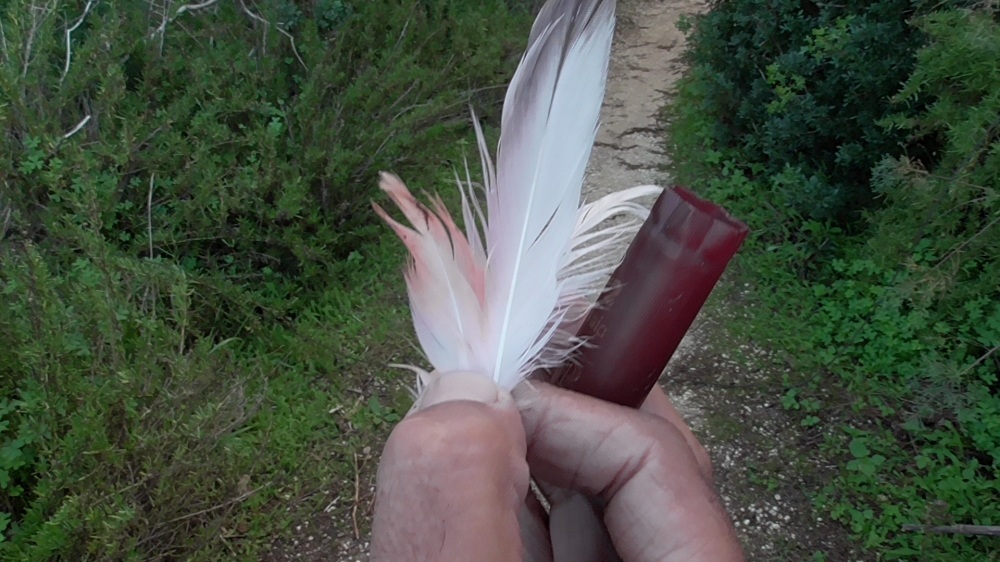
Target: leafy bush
{"x":107,"y":415}
{"x":800,"y":88}
{"x":189,"y":271}
{"x":246,"y":152}
{"x":901,"y":315}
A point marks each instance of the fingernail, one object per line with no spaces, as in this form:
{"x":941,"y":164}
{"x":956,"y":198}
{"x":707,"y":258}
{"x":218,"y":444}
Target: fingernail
{"x":525,"y":394}
{"x":460,"y":386}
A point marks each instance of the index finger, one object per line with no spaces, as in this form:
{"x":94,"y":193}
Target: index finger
{"x":658,"y":403}
{"x":658,"y":504}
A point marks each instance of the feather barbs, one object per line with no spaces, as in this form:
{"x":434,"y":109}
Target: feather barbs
{"x":445,"y":281}
{"x":495,"y":303}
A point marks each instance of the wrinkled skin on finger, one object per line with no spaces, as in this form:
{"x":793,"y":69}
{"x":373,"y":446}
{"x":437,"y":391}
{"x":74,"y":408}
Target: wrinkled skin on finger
{"x":646,"y":468}
{"x":452,"y":479}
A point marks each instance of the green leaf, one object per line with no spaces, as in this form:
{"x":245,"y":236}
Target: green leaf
{"x":858,"y":448}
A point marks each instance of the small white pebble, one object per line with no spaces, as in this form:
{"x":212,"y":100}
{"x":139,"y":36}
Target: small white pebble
{"x":777,"y":497}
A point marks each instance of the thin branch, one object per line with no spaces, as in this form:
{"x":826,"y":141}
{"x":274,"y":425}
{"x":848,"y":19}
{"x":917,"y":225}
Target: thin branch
{"x":357,"y":493}
{"x":3,"y":40}
{"x":267,"y":24}
{"x":5,"y":224}
{"x":399,"y":41}
{"x":69,"y":33}
{"x":149,"y":214}
{"x":294,"y":50}
{"x":249,"y":12}
{"x":162,"y":29}
{"x":165,"y":15}
{"x":239,"y":499}
{"x":252,"y":15}
{"x":980,"y":360}
{"x":925,"y":173}
{"x":982,"y":530}
{"x":401,"y":96}
{"x":83,"y":122}
{"x":36,"y":23}
{"x":967,"y":242}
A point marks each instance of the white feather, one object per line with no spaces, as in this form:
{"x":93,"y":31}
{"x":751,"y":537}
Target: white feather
{"x":500,"y":308}
{"x":547,"y":132}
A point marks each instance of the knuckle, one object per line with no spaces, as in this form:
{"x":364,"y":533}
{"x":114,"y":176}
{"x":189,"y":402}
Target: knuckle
{"x":448,"y":430}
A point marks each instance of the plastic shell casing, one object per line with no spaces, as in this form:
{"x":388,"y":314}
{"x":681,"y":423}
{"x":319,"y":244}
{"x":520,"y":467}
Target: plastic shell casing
{"x":652,"y":299}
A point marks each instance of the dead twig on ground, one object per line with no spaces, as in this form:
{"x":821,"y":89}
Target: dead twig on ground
{"x":357,"y":494}
{"x":979,"y":530}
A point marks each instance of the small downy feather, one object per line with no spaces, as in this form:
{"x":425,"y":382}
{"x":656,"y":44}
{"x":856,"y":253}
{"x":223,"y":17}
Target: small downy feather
{"x":497,"y":298}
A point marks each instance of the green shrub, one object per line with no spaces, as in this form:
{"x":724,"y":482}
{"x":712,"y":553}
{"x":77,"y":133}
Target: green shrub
{"x":189,"y":269}
{"x":800,"y":88}
{"x":107,"y":416}
{"x":249,"y":153}
{"x":898,"y":319}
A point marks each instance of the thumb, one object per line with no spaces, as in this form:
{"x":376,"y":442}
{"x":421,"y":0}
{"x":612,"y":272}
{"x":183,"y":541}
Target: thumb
{"x":453,"y":467}
{"x":462,"y":385}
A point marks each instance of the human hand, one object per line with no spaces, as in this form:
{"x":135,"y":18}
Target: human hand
{"x":453,"y":478}
{"x":649,"y":474}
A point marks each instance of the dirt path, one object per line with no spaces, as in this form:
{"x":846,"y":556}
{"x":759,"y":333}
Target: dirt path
{"x":645,"y":66}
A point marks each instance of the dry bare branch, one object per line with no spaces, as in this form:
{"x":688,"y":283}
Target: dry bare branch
{"x":955,"y":250}
{"x":69,"y":33}
{"x":357,"y":495}
{"x":83,"y":123}
{"x":3,"y":42}
{"x":294,"y":49}
{"x":162,"y":29}
{"x":5,"y":222}
{"x":982,"y":530}
{"x":38,"y":15}
{"x":253,"y":16}
{"x":980,"y":360}
{"x":240,"y":498}
{"x":149,"y":214}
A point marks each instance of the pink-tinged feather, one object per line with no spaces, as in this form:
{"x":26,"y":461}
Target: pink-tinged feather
{"x":445,"y":285}
{"x":441,"y":228}
{"x":463,"y":253}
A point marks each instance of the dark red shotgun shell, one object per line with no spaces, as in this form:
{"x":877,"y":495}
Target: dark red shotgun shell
{"x":652,"y":298}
